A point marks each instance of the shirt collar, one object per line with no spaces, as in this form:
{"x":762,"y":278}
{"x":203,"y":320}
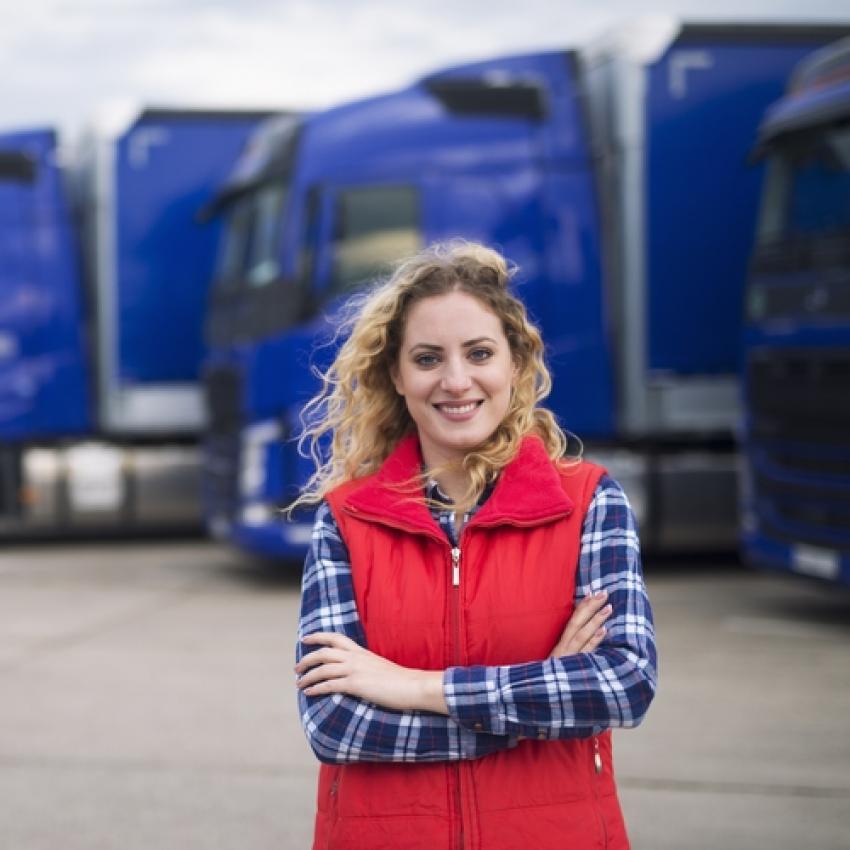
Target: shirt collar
{"x":433,"y":493}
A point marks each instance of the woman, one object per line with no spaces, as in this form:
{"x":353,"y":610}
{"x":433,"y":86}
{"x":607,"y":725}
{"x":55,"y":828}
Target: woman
{"x":474,"y":618}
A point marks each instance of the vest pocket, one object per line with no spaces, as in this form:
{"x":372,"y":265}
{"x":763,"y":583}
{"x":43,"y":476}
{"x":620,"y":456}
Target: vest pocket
{"x":607,"y":804}
{"x":329,"y":775}
{"x":326,"y":808}
{"x":596,"y":779}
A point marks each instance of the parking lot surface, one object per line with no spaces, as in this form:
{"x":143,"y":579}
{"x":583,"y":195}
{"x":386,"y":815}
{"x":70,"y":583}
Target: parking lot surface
{"x":148,"y":702}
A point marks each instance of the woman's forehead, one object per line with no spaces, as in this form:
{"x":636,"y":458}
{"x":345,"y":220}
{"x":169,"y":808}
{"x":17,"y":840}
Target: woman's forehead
{"x":452,"y":315}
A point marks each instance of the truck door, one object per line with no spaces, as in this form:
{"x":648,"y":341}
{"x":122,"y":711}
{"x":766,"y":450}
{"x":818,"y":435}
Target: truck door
{"x":543,"y":220}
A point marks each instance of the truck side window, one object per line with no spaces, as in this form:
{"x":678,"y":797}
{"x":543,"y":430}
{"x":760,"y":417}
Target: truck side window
{"x":235,"y":244}
{"x":375,"y":227}
{"x":263,"y":263}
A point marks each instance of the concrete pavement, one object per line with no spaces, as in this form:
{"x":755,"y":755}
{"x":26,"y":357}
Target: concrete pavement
{"x":147,"y":702}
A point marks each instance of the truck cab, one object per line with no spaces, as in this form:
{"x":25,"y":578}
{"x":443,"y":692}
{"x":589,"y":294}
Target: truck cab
{"x":613,"y":176}
{"x":491,"y":151}
{"x":796,"y":486}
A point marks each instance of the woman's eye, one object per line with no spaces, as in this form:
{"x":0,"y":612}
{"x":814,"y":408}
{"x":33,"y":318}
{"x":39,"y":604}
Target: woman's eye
{"x":426,"y":360}
{"x":480,"y":354}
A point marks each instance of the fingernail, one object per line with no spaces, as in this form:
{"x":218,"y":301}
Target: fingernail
{"x":600,"y":594}
{"x":608,"y":609}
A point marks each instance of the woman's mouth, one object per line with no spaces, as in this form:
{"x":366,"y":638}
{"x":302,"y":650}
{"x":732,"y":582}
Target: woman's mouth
{"x":458,"y":411}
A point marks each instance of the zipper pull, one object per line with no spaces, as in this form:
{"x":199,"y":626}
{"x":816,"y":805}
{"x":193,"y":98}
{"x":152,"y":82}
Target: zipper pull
{"x":597,"y":758}
{"x":456,"y":567}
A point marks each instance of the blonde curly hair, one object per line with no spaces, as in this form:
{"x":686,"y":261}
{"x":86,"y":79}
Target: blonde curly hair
{"x":358,"y":405}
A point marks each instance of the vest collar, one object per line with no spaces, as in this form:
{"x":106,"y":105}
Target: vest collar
{"x":528,"y":491}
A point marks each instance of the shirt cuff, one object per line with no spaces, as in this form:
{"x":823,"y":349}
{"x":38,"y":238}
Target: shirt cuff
{"x":481,"y":699}
{"x":472,"y":697}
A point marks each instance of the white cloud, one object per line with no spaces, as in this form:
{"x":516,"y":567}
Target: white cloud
{"x":64,"y":57}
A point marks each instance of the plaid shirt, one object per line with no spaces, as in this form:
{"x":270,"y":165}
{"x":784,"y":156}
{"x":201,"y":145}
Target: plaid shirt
{"x":490,"y":708}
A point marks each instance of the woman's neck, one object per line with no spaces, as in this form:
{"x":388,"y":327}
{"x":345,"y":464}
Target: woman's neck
{"x":453,"y":484}
{"x":446,"y":468}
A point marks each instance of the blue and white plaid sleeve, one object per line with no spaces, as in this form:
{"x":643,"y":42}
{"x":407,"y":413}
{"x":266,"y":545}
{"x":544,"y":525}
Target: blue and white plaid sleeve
{"x":577,"y":695}
{"x":344,"y":729}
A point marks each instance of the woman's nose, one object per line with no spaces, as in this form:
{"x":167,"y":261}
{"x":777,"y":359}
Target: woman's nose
{"x":456,"y":378}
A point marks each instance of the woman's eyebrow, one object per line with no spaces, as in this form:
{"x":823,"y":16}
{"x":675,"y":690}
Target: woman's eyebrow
{"x":430,"y":346}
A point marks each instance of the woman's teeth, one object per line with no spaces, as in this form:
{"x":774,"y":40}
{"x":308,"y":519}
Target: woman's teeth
{"x":457,"y":410}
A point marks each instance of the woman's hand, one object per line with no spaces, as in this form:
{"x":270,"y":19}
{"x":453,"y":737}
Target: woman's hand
{"x":585,"y":630}
{"x":342,"y":666}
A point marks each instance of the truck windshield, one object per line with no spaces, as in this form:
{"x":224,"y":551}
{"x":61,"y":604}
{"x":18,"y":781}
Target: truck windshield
{"x":807,"y":192}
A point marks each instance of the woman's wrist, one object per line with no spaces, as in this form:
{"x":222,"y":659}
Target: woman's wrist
{"x":431,"y":696}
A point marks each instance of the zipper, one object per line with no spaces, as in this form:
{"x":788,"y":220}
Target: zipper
{"x":455,"y":617}
{"x":458,"y":804}
{"x":455,"y":620}
{"x":597,"y":768}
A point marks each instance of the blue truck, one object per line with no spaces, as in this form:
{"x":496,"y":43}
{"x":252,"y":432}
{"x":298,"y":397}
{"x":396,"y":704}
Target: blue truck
{"x":103,"y":281}
{"x":795,"y":504}
{"x":614,"y":176}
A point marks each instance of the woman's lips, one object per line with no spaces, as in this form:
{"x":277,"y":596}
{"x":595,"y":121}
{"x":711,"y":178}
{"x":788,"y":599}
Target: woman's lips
{"x":457,"y":411}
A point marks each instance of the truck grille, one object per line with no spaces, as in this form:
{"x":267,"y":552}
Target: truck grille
{"x":222,"y":390}
{"x":803,"y":255}
{"x":803,"y":279}
{"x":799,"y":436}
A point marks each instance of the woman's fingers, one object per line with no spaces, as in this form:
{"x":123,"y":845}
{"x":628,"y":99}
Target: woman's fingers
{"x":582,"y":614}
{"x":330,"y":639}
{"x":333,"y":647}
{"x":589,"y":631}
{"x":327,"y":669}
{"x":596,"y":638}
{"x":581,"y":634}
{"x":319,"y":656}
{"x":330,"y":686}
{"x":322,"y":673}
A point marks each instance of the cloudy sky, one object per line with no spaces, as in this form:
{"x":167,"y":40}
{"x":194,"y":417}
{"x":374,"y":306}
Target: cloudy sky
{"x":65,"y":61}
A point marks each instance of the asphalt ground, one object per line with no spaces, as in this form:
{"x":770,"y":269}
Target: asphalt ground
{"x":147,"y":701}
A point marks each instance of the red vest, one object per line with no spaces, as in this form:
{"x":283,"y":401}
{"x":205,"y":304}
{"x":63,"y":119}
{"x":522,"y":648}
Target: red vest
{"x":518,"y":562}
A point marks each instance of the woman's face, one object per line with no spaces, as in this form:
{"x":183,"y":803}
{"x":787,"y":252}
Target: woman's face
{"x":455,"y":373}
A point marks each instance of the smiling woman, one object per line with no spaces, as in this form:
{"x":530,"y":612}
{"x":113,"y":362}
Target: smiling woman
{"x":455,"y":374}
{"x":364,"y":406}
{"x":474,"y":618}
